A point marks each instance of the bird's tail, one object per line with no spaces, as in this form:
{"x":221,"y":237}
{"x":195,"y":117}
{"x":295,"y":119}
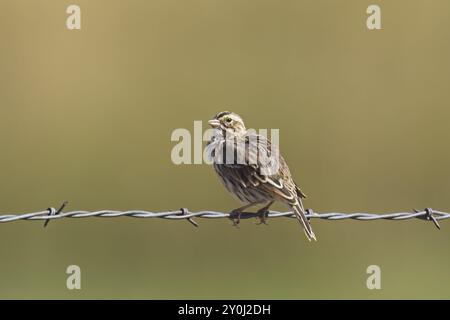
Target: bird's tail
{"x":299,"y":212}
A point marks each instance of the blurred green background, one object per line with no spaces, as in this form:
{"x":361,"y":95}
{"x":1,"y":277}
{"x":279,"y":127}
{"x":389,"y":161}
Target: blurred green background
{"x":86,"y":116}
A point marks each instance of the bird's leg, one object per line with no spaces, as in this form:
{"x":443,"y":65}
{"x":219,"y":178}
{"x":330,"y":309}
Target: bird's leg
{"x":262,"y":213}
{"x":235,"y":215}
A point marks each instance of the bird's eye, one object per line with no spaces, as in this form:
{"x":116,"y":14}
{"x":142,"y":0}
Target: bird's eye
{"x":228,"y":120}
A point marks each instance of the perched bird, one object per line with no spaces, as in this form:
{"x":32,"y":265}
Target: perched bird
{"x":252,"y":169}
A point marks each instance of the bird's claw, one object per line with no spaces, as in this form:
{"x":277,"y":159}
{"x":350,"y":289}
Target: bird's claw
{"x":262,"y":216}
{"x":235,"y":216}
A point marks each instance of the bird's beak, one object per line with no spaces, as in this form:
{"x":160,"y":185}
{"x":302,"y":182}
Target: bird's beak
{"x":214,"y":123}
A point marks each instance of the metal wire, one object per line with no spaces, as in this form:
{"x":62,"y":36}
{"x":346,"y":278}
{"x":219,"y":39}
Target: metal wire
{"x":53,"y":214}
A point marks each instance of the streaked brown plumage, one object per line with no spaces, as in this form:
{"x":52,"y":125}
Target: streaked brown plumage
{"x":252,"y":169}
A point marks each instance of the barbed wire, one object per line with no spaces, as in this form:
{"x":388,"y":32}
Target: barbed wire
{"x":427,"y":214}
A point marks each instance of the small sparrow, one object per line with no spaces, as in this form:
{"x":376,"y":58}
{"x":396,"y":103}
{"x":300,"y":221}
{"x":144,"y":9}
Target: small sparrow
{"x":257,"y":174}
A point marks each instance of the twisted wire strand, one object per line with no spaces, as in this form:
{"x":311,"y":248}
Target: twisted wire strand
{"x":53,"y":214}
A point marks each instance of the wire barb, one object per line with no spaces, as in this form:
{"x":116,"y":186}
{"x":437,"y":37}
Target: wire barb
{"x":185,"y":211}
{"x":309,"y":214}
{"x":52,"y":212}
{"x":429,"y":216}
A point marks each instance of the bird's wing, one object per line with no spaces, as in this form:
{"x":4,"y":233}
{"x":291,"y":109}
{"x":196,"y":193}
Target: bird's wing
{"x":267,"y":169}
{"x":300,"y":193}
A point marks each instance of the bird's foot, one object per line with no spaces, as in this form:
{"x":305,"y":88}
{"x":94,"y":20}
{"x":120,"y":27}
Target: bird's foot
{"x":262,"y":216}
{"x":235,"y":216}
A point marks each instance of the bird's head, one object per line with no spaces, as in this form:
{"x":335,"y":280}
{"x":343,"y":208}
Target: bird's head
{"x":229,"y":122}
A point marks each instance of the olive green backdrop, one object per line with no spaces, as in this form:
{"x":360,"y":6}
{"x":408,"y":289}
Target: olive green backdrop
{"x":86,"y":116}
